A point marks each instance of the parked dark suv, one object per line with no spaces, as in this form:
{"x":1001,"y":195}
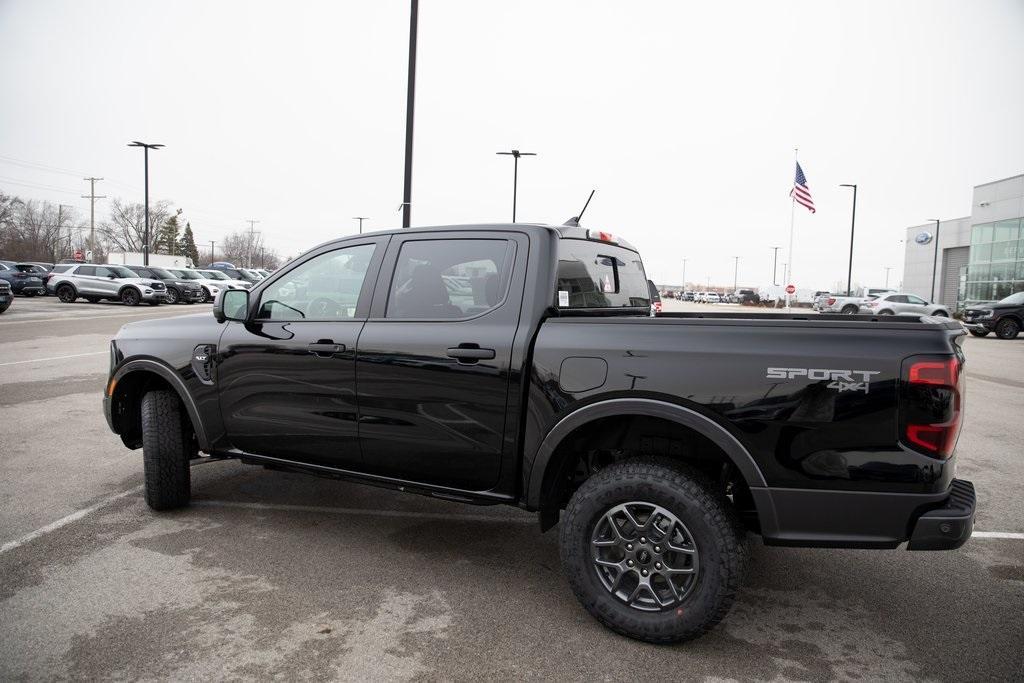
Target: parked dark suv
{"x":22,"y":277}
{"x":1005,"y":317}
{"x":179,"y":290}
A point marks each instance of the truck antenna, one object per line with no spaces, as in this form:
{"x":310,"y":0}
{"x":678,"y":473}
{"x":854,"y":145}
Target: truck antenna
{"x":575,"y":220}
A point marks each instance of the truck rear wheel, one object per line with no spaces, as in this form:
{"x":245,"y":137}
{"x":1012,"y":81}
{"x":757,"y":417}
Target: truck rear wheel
{"x":849,"y":310}
{"x":167,"y":447}
{"x":651,"y":551}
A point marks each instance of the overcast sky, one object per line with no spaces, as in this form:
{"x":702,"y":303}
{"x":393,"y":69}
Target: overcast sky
{"x":683,"y":115}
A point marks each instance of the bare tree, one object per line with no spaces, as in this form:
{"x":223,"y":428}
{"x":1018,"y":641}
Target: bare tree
{"x":126,"y":228}
{"x":245,"y":249}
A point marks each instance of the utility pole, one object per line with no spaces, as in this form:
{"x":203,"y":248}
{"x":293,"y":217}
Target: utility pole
{"x":515,"y":154}
{"x":213,"y":254}
{"x":252,"y":234}
{"x":145,"y":239}
{"x":410,"y":105}
{"x":360,"y":219}
{"x":853,"y":224}
{"x":92,"y":197}
{"x":684,"y":275}
{"x":935,"y":258}
{"x":887,"y":269}
{"x":775,"y":266}
{"x":735,"y":274}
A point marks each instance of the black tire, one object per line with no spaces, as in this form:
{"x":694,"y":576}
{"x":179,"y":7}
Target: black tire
{"x":206,"y":296}
{"x":1007,"y":328}
{"x":167,"y":447}
{"x":130,"y":296}
{"x":173,"y":296}
{"x":849,"y":310}
{"x":885,"y":313}
{"x":717,"y":539}
{"x":940,"y":314}
{"x":976,"y":333}
{"x":67,"y":294}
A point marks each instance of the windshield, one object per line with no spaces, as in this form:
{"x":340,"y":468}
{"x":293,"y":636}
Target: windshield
{"x":214,"y":275}
{"x":1017,"y":298}
{"x":162,"y":274}
{"x":599,"y":275}
{"x":187,"y":274}
{"x":120,"y":271}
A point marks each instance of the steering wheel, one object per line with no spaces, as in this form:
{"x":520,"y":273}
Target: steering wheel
{"x":324,"y":308}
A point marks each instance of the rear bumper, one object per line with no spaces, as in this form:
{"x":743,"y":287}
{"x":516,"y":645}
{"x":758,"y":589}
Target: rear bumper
{"x":849,"y":519}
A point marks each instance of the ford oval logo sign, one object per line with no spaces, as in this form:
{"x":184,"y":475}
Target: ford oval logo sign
{"x":923,"y":238}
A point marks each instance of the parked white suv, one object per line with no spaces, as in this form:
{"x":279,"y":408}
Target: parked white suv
{"x":112,"y":282}
{"x":712,"y":298}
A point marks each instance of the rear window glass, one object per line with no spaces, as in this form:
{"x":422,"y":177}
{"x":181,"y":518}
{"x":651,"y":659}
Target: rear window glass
{"x":599,"y":275}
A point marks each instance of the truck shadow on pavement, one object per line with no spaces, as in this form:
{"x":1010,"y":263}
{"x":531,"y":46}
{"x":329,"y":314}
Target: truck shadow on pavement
{"x":272,"y":574}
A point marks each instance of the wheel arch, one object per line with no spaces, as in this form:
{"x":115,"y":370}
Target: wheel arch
{"x":128,"y":285}
{"x":550,"y":456}
{"x":131,"y":382}
{"x":65,"y":283}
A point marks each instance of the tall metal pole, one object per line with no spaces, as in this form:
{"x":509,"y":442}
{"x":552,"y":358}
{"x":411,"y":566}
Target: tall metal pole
{"x":792,"y":219}
{"x":684,"y":275}
{"x":775,"y":267}
{"x":887,"y":269}
{"x":935,"y":258}
{"x":853,"y":224}
{"x":515,"y":154}
{"x":145,"y":233}
{"x":410,"y":104}
{"x":360,"y":219}
{"x":92,"y":197}
{"x":736,"y":274}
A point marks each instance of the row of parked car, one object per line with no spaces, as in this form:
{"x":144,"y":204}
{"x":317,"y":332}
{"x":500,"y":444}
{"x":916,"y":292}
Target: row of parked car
{"x":132,"y":285}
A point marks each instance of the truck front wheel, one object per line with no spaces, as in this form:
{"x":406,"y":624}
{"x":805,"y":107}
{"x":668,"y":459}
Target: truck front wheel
{"x":167,"y":447}
{"x":652,"y":551}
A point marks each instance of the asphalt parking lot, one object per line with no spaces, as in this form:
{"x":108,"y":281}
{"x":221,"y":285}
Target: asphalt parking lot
{"x":293,"y":577}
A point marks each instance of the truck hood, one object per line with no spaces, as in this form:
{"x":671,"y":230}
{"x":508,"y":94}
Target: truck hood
{"x":185,"y":326}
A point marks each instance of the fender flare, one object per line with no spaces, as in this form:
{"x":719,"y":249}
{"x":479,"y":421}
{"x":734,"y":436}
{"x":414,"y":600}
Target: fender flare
{"x":125,"y":286}
{"x":61,"y":284}
{"x":730,"y":445}
{"x":164,"y":372}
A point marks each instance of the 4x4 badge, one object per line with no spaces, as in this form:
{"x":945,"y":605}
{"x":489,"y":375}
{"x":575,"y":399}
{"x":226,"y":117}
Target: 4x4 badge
{"x":842,"y":380}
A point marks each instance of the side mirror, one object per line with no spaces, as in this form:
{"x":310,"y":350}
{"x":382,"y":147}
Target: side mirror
{"x":111,"y":276}
{"x":232,"y":304}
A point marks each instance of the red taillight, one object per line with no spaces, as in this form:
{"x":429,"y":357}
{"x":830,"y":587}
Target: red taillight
{"x":932,"y":404}
{"x":657,"y":307}
{"x":601,"y":235}
{"x":831,"y":301}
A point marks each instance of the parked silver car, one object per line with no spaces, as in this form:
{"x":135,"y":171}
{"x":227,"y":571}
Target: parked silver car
{"x":902,"y":304}
{"x":116,"y":283}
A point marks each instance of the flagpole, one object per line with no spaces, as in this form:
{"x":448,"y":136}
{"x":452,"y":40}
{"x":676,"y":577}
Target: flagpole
{"x":792,"y":218}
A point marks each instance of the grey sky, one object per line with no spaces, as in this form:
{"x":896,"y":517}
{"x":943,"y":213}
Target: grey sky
{"x":683,"y":115}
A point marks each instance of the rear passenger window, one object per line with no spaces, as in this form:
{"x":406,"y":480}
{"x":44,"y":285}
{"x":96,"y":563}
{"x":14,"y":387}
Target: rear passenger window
{"x":597,"y":275}
{"x":86,"y":270}
{"x":446,"y":279}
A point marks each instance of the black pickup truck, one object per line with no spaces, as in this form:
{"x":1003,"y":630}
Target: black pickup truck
{"x":519,"y":364}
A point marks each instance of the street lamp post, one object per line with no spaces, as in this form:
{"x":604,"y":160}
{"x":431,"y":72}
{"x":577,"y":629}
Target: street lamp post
{"x":410,"y":106}
{"x":775,"y":266}
{"x":515,"y":154}
{"x":145,"y":153}
{"x":853,"y":223}
{"x":935,"y":258}
{"x":736,"y":274}
{"x":360,"y":219}
{"x":684,"y":275}
{"x":887,"y":269}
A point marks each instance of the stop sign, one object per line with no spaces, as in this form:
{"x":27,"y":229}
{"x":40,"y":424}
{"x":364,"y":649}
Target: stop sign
{"x":790,"y":289}
{"x":79,"y":255}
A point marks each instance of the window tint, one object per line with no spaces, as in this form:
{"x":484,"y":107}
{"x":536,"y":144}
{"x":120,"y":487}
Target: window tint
{"x":61,"y":268}
{"x":598,"y":275}
{"x":86,"y":270}
{"x":446,"y":279}
{"x":324,"y":288}
{"x":896,"y":298}
{"x":915,"y":299}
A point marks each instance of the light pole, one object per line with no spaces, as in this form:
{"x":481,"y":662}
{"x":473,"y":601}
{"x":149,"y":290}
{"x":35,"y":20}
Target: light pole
{"x":736,"y":274}
{"x":853,"y":223}
{"x":360,"y":219}
{"x":515,"y":154}
{"x":887,"y":269}
{"x":684,"y":275}
{"x":935,"y":258}
{"x":145,"y":153}
{"x":775,"y":266}
{"x":410,"y":105}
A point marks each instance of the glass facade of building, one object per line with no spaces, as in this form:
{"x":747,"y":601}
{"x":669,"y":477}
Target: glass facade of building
{"x":996,"y":268}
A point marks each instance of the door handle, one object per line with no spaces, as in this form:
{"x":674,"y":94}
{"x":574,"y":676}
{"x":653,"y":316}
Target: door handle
{"x":470,"y":353}
{"x":325,"y":348}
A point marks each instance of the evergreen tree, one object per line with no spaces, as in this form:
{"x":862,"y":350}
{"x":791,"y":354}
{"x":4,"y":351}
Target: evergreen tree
{"x":187,"y":245}
{"x":168,"y":236}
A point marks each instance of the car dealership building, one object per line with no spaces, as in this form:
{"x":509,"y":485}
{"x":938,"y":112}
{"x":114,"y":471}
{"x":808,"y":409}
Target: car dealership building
{"x":976,"y":258}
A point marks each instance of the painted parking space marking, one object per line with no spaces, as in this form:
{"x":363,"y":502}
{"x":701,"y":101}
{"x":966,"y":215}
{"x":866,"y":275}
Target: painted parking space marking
{"x":43,"y":360}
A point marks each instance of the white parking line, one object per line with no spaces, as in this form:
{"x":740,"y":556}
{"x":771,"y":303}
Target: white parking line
{"x":998,"y":534}
{"x":4,"y":323}
{"x":75,"y":516}
{"x":64,"y":521}
{"x":42,"y":360}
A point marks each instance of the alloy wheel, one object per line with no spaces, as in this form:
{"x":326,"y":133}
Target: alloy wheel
{"x":644,"y":556}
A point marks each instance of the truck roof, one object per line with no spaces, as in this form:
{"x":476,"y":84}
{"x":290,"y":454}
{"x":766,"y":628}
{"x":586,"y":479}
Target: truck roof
{"x":562,"y":231}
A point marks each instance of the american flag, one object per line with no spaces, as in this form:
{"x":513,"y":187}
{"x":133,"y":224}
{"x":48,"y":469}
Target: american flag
{"x":800,"y":192}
